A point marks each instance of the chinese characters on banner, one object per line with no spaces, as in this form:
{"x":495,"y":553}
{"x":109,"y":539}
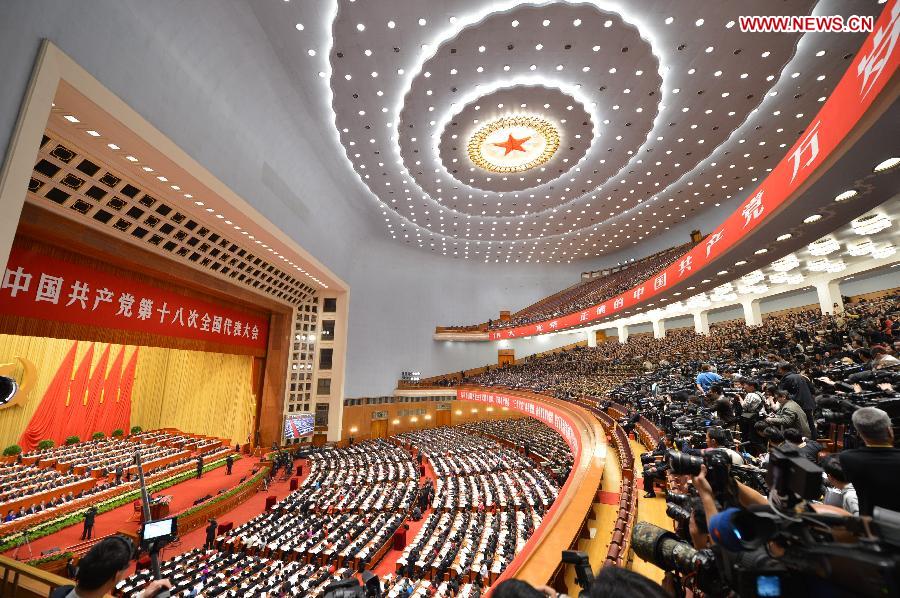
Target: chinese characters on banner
{"x":38,"y":286}
{"x":872,"y":68}
{"x":544,"y":412}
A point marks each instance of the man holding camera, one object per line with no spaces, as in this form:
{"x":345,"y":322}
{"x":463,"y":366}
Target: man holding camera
{"x":654,"y":469}
{"x":789,"y":414}
{"x":874,"y":470}
{"x":798,"y":388}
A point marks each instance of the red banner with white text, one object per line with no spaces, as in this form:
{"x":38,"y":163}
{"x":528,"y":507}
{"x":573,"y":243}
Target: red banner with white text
{"x":35,"y":285}
{"x":872,"y":68}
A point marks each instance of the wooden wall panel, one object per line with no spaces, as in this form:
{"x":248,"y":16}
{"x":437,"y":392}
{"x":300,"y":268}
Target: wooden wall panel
{"x":360,"y":417}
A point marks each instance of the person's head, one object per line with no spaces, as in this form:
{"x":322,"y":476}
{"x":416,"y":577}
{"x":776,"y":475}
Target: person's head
{"x":670,"y":440}
{"x":715,"y":437}
{"x":697,"y":525}
{"x":793,"y":435}
{"x":705,"y":367}
{"x":616,"y":582}
{"x":103,"y":566}
{"x":874,"y":426}
{"x":750,"y":385}
{"x":715,"y":390}
{"x":832,"y":466}
{"x":782,"y":396}
{"x":785,"y":367}
{"x":773,"y":436}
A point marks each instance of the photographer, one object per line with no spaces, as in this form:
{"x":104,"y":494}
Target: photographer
{"x":105,"y":565}
{"x":751,"y":406}
{"x":654,"y":468}
{"x":874,"y":470}
{"x":789,"y":414}
{"x":706,"y":378}
{"x":839,"y":492}
{"x":798,"y":387}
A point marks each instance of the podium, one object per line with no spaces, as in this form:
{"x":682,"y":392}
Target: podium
{"x":399,"y":539}
{"x":270,"y":502}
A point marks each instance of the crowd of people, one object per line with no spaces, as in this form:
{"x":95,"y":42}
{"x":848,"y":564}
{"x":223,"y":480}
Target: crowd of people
{"x":105,"y":455}
{"x":535,"y":439}
{"x":593,"y":290}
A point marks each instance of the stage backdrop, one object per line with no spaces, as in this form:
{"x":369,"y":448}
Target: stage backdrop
{"x":82,"y":387}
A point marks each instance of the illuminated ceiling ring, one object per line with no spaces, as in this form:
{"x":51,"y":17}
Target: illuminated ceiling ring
{"x":542,"y":127}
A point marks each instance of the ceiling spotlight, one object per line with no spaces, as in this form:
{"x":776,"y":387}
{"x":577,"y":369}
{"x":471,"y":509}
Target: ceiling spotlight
{"x":886,"y":165}
{"x":391,"y":24}
{"x":760,"y":251}
{"x":824,"y":246}
{"x":311,"y":52}
{"x":422,"y":22}
{"x":71,"y":118}
{"x":698,"y":22}
{"x":870,"y":224}
{"x":299,"y":26}
{"x":846,"y":195}
{"x":546,"y":23}
{"x":669,"y":20}
{"x":112,"y":146}
{"x":784,"y":237}
{"x":812,"y":218}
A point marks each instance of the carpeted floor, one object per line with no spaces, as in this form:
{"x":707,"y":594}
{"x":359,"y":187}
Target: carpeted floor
{"x":122,"y":518}
{"x":388,"y":563}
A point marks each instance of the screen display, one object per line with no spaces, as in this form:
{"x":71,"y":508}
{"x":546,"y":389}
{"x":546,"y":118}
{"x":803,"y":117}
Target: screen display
{"x":768,"y":585}
{"x":298,"y":425}
{"x":157,"y":529}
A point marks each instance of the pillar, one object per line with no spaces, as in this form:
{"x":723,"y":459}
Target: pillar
{"x":829,"y":292}
{"x":622,"y":331}
{"x":591,"y":337}
{"x":752,"y":314}
{"x":701,"y":322}
{"x":659,"y":328}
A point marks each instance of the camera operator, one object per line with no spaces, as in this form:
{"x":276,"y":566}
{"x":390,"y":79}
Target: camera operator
{"x":655,"y":466}
{"x":789,"y":414}
{"x":105,"y":565}
{"x":751,"y":407}
{"x":721,"y":404}
{"x":807,"y":447}
{"x":706,"y":378}
{"x":839,"y":492}
{"x":874,"y":470}
{"x":799,"y":389}
{"x":716,"y":438}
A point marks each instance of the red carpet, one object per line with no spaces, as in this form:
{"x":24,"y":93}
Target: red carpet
{"x":388,"y":563}
{"x":239,"y":515}
{"x":183,"y":496}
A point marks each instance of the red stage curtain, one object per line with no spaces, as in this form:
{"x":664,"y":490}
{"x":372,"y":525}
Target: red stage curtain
{"x":125,"y":388}
{"x":109,"y":414}
{"x":87,"y":426}
{"x":53,"y":405}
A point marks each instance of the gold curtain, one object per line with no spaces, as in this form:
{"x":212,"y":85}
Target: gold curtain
{"x":193,"y":391}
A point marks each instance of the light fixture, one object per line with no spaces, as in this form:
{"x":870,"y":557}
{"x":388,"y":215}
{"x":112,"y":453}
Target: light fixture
{"x":846,"y":195}
{"x":812,"y":218}
{"x":884,"y":251}
{"x":760,"y":251}
{"x":71,"y":118}
{"x":753,"y":277}
{"x":93,"y":133}
{"x":883,"y":166}
{"x":112,"y":146}
{"x":785,"y":264}
{"x":860,"y":247}
{"x":784,"y":237}
{"x":870,"y":224}
{"x":824,"y":246}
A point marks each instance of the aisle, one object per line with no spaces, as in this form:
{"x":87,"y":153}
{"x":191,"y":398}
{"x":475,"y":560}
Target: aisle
{"x":652,"y":510}
{"x":183,"y":496}
{"x":239,"y":515}
{"x":388,"y":563}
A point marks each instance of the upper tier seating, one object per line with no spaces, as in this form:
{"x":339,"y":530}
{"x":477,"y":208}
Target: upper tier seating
{"x":593,"y":290}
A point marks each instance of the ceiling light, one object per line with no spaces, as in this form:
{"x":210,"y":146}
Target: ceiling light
{"x":131,"y":158}
{"x":812,"y":218}
{"x":786,"y":264}
{"x":71,"y":118}
{"x":577,"y":23}
{"x":360,"y":27}
{"x":422,"y":22}
{"x":884,"y":251}
{"x":669,"y":20}
{"x":546,"y":23}
{"x":93,"y":133}
{"x":761,"y":251}
{"x":391,"y":24}
{"x":886,"y":165}
{"x":784,"y":237}
{"x":824,"y":246}
{"x":870,"y":224}
{"x":846,"y":195}
{"x":860,"y":247}
{"x":753,"y":277}
{"x":311,"y":52}
{"x":698,"y":22}
{"x":112,"y":146}
{"x":299,"y":26}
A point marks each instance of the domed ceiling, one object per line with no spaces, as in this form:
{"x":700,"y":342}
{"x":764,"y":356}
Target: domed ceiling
{"x":555,"y":131}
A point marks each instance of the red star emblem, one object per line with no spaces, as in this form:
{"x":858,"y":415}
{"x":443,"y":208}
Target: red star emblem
{"x":512,"y":144}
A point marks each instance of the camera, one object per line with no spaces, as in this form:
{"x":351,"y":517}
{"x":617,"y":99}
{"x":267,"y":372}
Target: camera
{"x":718,"y":469}
{"x":158,"y":533}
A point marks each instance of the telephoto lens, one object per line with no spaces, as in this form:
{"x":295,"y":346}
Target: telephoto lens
{"x":683,"y":464}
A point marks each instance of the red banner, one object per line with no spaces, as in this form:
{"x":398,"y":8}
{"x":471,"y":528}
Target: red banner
{"x":871,"y":69}
{"x":544,"y":412}
{"x":38,"y":286}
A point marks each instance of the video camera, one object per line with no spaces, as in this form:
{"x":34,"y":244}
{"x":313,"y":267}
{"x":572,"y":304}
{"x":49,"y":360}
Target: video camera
{"x":156,"y":534}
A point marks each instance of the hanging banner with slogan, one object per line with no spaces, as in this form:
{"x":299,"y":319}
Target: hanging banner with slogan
{"x":870,"y":71}
{"x":38,"y":286}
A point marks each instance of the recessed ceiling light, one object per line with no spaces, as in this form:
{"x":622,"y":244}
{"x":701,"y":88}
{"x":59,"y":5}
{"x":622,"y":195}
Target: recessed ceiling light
{"x":515,"y":23}
{"x":422,"y":22}
{"x":761,"y":251}
{"x":391,"y":24}
{"x":846,"y":195}
{"x":699,"y":22}
{"x":299,"y":26}
{"x":669,"y":20}
{"x":577,"y":22}
{"x":93,"y":133}
{"x":820,"y":53}
{"x":71,"y":118}
{"x":886,"y":165}
{"x":131,"y":158}
{"x":784,"y":237}
{"x":546,"y":23}
{"x":146,"y":169}
{"x":311,"y":52}
{"x":112,"y":146}
{"x":812,"y":218}
{"x":360,"y":27}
